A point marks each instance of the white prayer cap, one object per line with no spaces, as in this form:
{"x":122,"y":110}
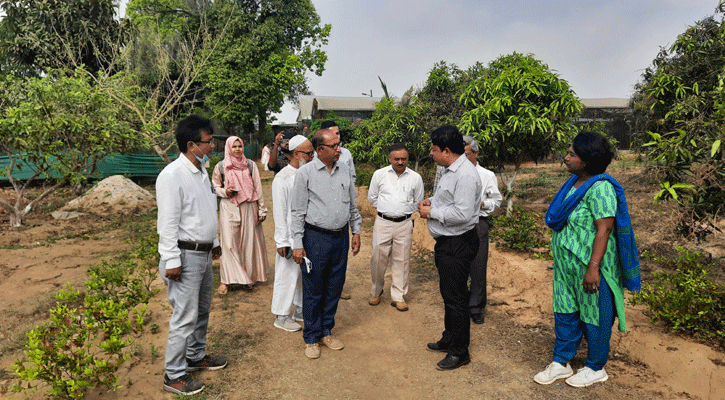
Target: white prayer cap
{"x":296,"y":141}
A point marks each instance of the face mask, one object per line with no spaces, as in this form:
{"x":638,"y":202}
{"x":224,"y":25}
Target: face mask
{"x":302,"y":162}
{"x":203,"y":159}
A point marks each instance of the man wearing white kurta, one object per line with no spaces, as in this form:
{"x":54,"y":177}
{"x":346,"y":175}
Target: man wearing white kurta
{"x":287,"y":274}
{"x":490,"y":199}
{"x":395,"y":192}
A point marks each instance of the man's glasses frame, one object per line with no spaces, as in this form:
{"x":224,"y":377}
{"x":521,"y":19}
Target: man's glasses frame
{"x":309,"y":153}
{"x":337,"y":145}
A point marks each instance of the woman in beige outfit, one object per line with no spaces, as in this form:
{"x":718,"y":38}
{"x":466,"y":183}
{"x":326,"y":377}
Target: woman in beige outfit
{"x":242,"y":210}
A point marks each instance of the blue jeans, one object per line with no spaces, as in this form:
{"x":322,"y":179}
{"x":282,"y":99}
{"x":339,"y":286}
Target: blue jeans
{"x":570,"y":329}
{"x":190,"y":297}
{"x":321,"y":287}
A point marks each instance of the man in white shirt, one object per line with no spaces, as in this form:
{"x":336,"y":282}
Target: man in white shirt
{"x":287,"y":274}
{"x":187,"y":228}
{"x":395,"y":192}
{"x":490,"y":199}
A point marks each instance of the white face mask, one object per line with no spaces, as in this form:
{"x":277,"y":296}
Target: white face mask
{"x":302,"y":162}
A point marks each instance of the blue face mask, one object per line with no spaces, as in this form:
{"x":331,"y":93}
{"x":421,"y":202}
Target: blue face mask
{"x":203,"y":159}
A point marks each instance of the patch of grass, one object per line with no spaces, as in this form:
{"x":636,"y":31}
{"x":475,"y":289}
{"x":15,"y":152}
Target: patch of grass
{"x":11,"y":247}
{"x":83,"y":235}
{"x":233,"y":345}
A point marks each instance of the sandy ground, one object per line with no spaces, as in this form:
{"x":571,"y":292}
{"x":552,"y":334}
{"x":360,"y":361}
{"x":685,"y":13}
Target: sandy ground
{"x":384,"y":355}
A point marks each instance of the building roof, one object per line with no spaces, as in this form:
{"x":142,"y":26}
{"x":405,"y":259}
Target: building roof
{"x":335,"y":103}
{"x":368,"y":104}
{"x":606,"y":103}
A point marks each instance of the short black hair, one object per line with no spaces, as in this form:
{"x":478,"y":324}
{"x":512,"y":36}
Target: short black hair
{"x":396,"y":147}
{"x":448,"y":136}
{"x":328,"y":124}
{"x":595,"y":150}
{"x":189,"y":130}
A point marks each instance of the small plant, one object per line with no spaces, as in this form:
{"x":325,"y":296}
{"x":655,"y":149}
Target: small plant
{"x":685,"y":299}
{"x":519,"y":231}
{"x":84,"y":343}
{"x":364,"y":176}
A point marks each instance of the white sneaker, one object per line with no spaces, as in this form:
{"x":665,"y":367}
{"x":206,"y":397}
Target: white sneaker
{"x":553,"y":372}
{"x":586,"y":377}
{"x":298,"y":315}
{"x":286,"y":323}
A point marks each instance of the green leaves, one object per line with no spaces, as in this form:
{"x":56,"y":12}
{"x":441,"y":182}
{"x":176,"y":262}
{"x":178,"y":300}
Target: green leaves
{"x":684,"y":297}
{"x":679,"y":111}
{"x":83,"y":344}
{"x":519,"y":108}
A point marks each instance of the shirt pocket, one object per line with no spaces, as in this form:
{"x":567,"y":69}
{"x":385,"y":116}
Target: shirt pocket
{"x":345,"y":192}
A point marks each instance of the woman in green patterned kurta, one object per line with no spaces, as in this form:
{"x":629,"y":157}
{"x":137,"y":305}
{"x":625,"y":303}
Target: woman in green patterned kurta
{"x":588,"y":290}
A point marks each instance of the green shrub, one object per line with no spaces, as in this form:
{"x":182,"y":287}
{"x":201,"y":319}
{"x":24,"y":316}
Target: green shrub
{"x":685,"y":299}
{"x":364,"y":175}
{"x":82,"y":345}
{"x":519,"y":231}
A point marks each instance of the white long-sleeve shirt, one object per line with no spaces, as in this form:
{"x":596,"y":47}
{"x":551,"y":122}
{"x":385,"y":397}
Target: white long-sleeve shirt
{"x":393,"y":195}
{"x":282,"y":206}
{"x":187,"y":209}
{"x":490,"y":195}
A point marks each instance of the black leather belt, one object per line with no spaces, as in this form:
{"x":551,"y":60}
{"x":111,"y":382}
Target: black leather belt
{"x":396,"y":219}
{"x":195,"y":246}
{"x":328,"y":232}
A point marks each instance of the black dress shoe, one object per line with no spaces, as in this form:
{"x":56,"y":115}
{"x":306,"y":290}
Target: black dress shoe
{"x":452,"y":362}
{"x":478,"y":318}
{"x":437,"y":346}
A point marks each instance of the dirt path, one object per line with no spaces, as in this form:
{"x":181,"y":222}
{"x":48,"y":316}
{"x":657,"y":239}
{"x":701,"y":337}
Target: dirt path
{"x":385,"y":354}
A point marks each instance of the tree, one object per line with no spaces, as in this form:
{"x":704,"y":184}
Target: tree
{"x":59,"y":33}
{"x":155,"y":78}
{"x":519,"y":109}
{"x":414,"y":117}
{"x":59,"y":127}
{"x":679,"y":110}
{"x":262,"y":58}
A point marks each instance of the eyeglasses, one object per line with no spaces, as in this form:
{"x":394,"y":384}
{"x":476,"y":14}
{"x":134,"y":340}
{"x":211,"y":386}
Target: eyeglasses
{"x":332,"y":146}
{"x":309,"y":153}
{"x":204,"y":141}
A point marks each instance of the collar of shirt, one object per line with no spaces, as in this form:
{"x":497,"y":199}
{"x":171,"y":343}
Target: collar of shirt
{"x":189,"y":164}
{"x":320,"y":165}
{"x":457,"y":164}
{"x":390,"y":169}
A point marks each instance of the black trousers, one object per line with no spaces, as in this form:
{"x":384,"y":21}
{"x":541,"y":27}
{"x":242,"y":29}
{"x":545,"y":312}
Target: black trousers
{"x":453,"y":256}
{"x":479,"y":265}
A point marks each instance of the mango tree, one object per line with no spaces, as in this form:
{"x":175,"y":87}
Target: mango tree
{"x":519,"y":110}
{"x":679,"y":110}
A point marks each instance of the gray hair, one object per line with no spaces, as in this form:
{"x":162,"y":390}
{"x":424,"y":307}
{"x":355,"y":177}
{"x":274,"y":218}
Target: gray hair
{"x":470,"y":141}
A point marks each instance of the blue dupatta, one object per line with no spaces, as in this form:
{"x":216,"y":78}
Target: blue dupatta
{"x":562,"y":206}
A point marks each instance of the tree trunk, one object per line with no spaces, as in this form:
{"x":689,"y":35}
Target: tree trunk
{"x":161,"y":153}
{"x":509,"y":190}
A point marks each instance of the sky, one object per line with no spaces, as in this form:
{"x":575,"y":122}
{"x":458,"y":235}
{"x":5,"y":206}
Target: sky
{"x":600,"y":47}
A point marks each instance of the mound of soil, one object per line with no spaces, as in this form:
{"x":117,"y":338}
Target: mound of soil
{"x":113,"y":195}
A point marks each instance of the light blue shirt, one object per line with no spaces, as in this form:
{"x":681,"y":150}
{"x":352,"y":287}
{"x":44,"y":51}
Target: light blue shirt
{"x":324,"y":199}
{"x":457,"y":200}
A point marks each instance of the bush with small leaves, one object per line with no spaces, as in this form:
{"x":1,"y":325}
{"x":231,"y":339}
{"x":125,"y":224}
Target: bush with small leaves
{"x":685,"y":299}
{"x":519,"y":230}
